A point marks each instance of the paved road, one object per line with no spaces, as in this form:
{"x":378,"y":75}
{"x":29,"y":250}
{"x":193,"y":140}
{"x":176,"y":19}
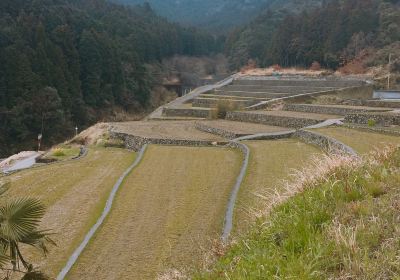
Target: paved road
{"x":22,"y":164}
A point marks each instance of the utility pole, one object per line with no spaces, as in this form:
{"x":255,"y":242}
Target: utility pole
{"x":390,"y":62}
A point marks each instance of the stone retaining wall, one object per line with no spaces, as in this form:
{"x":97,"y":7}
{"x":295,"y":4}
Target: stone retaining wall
{"x":331,"y":110}
{"x":217,"y":131}
{"x":383,"y":119}
{"x":380,"y":103}
{"x":187,"y":112}
{"x":135,"y":143}
{"x":328,"y":144}
{"x":212,"y":103}
{"x":282,"y":121}
{"x":268,"y":136}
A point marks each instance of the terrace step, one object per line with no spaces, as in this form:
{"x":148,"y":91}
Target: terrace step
{"x":300,"y":82}
{"x":280,"y":118}
{"x":195,"y":112}
{"x":269,"y":95}
{"x":383,"y":103}
{"x":277,"y":89}
{"x":208,"y":95}
{"x":213,"y":102}
{"x":233,"y":129}
{"x":331,"y":109}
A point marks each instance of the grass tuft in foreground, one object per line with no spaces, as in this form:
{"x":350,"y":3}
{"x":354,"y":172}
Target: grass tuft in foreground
{"x":341,"y":224}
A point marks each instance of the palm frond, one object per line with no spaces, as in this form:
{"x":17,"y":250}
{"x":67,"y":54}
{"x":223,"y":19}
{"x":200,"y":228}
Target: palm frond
{"x":19,"y":218}
{"x":39,"y":240}
{"x":4,"y":259}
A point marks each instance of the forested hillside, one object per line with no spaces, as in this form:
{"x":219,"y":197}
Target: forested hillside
{"x":215,"y":15}
{"x":220,"y":16}
{"x":332,"y":35}
{"x":64,"y":62}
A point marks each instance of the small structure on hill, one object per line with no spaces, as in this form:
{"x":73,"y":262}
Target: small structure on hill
{"x":174,"y":85}
{"x":386,"y":94}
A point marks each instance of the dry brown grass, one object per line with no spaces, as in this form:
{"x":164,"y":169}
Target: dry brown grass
{"x":164,"y":214}
{"x":74,"y":193}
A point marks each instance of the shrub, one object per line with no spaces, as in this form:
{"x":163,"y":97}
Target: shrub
{"x":58,"y":152}
{"x":371,"y":122}
{"x":224,"y":106}
{"x":315,"y":66}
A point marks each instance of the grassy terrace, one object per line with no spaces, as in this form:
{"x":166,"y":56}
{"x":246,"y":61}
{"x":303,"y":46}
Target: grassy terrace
{"x":164,"y":215}
{"x":361,"y":141}
{"x":341,"y":225}
{"x":75,"y":194}
{"x":271,"y":162}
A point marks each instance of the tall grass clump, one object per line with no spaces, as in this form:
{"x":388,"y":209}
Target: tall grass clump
{"x":224,"y":106}
{"x":338,"y":220}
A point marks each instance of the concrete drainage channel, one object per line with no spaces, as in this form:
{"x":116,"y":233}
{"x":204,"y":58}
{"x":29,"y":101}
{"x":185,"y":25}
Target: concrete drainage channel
{"x":228,"y":224}
{"x":75,"y":255}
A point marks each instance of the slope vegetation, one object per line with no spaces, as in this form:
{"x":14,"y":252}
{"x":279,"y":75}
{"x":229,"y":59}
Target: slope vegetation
{"x":271,"y":162}
{"x":342,"y":224}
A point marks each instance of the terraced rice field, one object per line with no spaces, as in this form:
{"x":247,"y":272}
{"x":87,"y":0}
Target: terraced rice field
{"x":166,"y":211}
{"x":184,"y":130}
{"x":298,"y":115}
{"x":75,"y":194}
{"x":243,"y":128}
{"x":271,"y":162}
{"x":362,"y":142}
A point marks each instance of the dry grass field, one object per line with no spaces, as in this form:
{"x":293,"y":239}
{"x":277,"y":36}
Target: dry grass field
{"x":184,"y":130}
{"x":362,"y":142}
{"x":164,"y":215}
{"x":271,"y":162}
{"x":75,"y":194}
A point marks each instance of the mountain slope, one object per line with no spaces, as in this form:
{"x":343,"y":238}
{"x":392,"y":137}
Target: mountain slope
{"x":333,"y":34}
{"x":214,"y":14}
{"x":66,"y":62}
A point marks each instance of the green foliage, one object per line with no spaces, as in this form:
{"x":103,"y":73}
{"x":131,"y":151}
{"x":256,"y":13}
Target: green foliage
{"x":58,"y":152}
{"x":371,"y":122}
{"x":342,"y":226}
{"x":65,"y":63}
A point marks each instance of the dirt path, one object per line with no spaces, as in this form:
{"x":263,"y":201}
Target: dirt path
{"x":165,"y":212}
{"x":75,"y":194}
{"x":270,"y":163}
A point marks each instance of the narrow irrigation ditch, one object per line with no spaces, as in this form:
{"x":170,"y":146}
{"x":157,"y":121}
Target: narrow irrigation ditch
{"x":228,"y":224}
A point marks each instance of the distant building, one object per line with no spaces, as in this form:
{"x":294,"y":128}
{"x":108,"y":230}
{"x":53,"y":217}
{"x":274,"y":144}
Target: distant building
{"x":386,"y":94}
{"x":174,"y":85}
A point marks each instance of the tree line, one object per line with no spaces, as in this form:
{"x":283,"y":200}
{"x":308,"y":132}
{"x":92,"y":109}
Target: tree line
{"x":63,"y":62}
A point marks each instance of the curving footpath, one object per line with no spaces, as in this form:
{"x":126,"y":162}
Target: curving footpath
{"x":75,"y":255}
